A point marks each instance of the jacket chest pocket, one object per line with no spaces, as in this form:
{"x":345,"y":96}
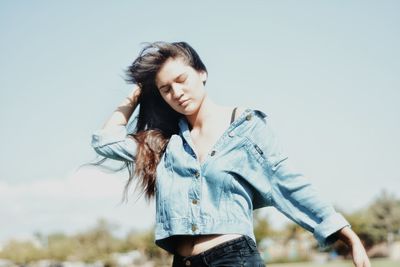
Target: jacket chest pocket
{"x":255,"y":151}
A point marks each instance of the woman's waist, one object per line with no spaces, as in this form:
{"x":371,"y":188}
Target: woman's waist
{"x":188,"y":245}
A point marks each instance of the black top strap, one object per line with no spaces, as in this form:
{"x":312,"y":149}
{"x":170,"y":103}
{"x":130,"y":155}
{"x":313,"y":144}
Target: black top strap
{"x":233,"y":114}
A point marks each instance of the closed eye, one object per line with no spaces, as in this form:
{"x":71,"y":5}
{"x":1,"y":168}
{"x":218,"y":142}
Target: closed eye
{"x":181,"y":79}
{"x":166,"y":89}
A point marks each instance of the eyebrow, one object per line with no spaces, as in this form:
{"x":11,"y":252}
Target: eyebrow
{"x":174,"y":80}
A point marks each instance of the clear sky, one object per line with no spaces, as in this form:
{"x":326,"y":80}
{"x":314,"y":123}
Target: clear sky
{"x":326,"y":72}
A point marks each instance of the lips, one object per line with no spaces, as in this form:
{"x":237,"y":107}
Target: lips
{"x":182,"y":102}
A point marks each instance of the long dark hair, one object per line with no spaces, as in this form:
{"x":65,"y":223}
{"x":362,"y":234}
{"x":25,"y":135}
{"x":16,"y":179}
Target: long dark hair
{"x":156,"y":120}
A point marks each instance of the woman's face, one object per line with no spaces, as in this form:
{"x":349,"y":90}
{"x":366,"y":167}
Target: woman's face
{"x":181,"y":86}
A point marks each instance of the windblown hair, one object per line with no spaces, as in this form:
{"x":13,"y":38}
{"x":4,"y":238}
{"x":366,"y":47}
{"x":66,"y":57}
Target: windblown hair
{"x":156,"y":121}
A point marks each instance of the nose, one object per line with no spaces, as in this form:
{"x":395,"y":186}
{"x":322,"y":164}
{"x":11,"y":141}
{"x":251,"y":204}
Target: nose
{"x":177,"y":90}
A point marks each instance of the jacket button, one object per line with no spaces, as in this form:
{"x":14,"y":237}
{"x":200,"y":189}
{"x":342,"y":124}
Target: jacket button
{"x":197,"y":174}
{"x":212,"y":153}
{"x":231,"y":134}
{"x":187,"y":262}
{"x":248,"y":117}
{"x":194,"y":201}
{"x":194,"y":227}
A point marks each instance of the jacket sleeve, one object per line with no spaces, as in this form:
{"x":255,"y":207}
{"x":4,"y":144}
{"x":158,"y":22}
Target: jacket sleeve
{"x":294,"y":195}
{"x":114,"y":143}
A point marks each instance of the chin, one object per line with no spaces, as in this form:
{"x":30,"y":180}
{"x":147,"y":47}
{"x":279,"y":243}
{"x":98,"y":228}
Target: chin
{"x":186,"y":110}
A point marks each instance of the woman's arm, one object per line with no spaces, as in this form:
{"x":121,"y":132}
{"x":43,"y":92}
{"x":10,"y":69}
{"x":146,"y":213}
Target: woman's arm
{"x":295,"y":196}
{"x":358,"y":252}
{"x":112,"y":141}
{"x":124,"y":111}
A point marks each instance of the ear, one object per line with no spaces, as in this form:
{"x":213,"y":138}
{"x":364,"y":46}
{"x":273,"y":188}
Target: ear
{"x":203,"y":76}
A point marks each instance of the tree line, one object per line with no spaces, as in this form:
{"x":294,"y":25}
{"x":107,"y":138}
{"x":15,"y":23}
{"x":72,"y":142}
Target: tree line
{"x":378,"y":222}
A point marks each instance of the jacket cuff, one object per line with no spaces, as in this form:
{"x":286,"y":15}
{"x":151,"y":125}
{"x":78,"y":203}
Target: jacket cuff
{"x":327,"y":227}
{"x":110,"y":135}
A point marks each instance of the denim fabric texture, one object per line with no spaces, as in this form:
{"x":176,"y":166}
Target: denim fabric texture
{"x":246,"y":169}
{"x":241,"y":251}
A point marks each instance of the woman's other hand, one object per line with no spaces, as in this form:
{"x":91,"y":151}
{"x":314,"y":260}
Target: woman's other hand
{"x":358,"y":253}
{"x":360,"y":258}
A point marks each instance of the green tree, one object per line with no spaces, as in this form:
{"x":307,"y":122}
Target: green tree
{"x":96,"y":243}
{"x":384,"y":214}
{"x":262,"y":227}
{"x":21,"y":252}
{"x":61,"y":246}
{"x":376,"y":223}
{"x":144,"y":242}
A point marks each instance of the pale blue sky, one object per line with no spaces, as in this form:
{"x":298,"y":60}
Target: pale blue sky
{"x":326,"y":72}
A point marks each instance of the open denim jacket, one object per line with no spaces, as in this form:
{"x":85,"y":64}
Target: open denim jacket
{"x":245,"y":170}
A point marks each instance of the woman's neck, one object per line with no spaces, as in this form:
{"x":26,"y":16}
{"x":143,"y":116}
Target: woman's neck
{"x":206,"y":110}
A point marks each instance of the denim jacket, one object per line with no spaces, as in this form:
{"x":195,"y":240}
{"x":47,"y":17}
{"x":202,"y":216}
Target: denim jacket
{"x":245,"y":170}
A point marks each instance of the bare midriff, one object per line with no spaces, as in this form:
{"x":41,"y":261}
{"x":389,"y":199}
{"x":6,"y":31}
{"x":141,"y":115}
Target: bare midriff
{"x":187,"y":245}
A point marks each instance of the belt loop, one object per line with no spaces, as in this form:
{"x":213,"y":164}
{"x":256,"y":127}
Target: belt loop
{"x":248,"y":242}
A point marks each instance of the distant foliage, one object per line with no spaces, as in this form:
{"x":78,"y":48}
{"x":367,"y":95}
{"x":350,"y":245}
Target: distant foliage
{"x":378,"y":222}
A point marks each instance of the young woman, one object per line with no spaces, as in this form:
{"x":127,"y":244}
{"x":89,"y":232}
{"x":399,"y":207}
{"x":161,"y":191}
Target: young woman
{"x":208,"y":166}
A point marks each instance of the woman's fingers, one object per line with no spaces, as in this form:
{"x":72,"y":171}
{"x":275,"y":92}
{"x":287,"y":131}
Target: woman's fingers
{"x":360,"y":257}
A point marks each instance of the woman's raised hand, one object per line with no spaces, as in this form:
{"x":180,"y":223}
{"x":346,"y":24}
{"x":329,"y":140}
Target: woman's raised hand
{"x":131,"y":101}
{"x":122,"y":113}
{"x":134,"y":95}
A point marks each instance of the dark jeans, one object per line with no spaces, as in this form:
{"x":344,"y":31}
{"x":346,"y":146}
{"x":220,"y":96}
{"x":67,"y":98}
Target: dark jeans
{"x":241,"y":251}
